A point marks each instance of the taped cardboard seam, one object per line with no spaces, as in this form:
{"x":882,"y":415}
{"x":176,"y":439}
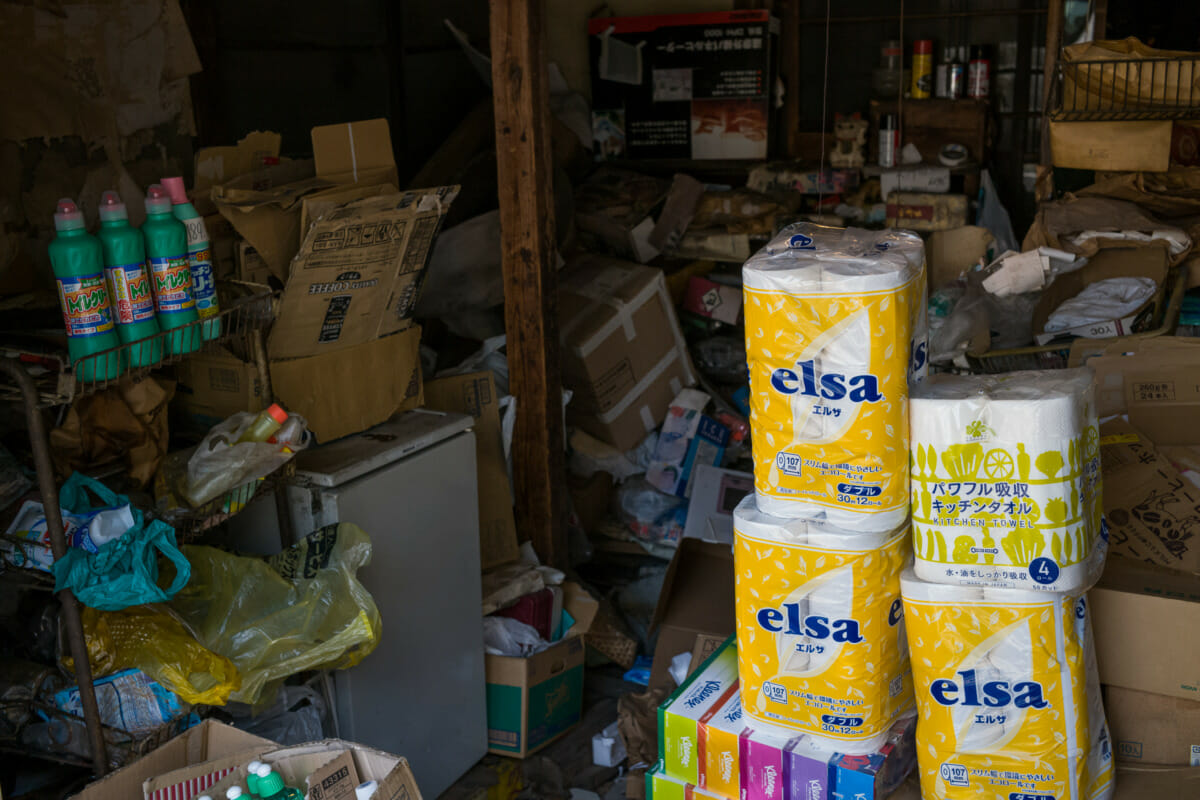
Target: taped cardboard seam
{"x":633,"y":394}
{"x":622,"y":319}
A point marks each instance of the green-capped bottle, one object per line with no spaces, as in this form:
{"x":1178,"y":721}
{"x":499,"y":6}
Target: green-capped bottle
{"x":166,"y":252}
{"x":204,"y":284}
{"x":78,"y":263}
{"x":128,"y":282}
{"x":270,"y":786}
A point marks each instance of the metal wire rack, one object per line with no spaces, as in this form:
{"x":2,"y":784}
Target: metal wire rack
{"x":1127,"y":90}
{"x":58,"y":382}
{"x":190,"y":523}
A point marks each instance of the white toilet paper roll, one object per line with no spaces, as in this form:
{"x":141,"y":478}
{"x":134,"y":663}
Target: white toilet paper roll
{"x":1006,"y":480}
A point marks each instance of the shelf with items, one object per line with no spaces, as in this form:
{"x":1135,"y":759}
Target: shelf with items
{"x":249,"y":310}
{"x":190,"y":523}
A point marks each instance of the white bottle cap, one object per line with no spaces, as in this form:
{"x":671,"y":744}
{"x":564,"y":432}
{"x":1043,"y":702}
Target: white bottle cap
{"x":364,"y":791}
{"x":204,"y":797}
{"x":263,"y":770}
{"x":234,"y":792}
{"x":253,"y":766}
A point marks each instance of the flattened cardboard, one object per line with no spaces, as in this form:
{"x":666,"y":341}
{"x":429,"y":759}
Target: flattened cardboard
{"x":1114,"y":262}
{"x":1142,"y":617}
{"x":218,"y":165}
{"x":318,"y":204}
{"x":951,"y":252}
{"x":1153,"y":729}
{"x":696,"y":599}
{"x":533,"y":701}
{"x":475,"y":394}
{"x":350,"y":390}
{"x":216,"y":746}
{"x":1138,"y":782}
{"x":358,"y":273}
{"x":1112,"y":146}
{"x":1156,"y":381}
{"x":1153,"y":513}
{"x":623,"y":352}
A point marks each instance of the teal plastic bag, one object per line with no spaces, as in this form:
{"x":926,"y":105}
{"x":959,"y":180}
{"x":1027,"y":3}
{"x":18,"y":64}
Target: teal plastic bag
{"x":123,"y":572}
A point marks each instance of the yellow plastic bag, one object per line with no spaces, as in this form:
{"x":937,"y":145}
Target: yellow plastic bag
{"x":303,"y":609}
{"x":149,"y":638}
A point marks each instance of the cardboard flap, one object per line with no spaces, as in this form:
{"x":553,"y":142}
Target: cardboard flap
{"x":1156,"y":381}
{"x":1137,"y":577}
{"x":199,"y":757}
{"x":355,"y":152}
{"x":218,"y":165}
{"x":581,"y":605}
{"x":687,"y":598}
{"x":280,"y":185}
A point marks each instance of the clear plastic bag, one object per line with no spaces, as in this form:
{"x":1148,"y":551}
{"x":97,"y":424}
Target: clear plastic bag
{"x":220,"y":462}
{"x":302,"y":609}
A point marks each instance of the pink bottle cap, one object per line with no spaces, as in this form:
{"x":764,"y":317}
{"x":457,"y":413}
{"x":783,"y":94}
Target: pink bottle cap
{"x":157,"y":200}
{"x":175,"y":188}
{"x":67,"y":216}
{"x":111,"y":207}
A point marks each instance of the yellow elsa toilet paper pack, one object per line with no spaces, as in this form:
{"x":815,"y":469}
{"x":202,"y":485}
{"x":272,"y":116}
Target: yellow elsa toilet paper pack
{"x":830,"y":326}
{"x":820,"y":628}
{"x":1007,"y":697}
{"x":1006,"y":481}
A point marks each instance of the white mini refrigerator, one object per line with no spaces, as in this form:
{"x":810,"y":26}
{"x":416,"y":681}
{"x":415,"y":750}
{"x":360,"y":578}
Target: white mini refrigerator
{"x":410,"y":484}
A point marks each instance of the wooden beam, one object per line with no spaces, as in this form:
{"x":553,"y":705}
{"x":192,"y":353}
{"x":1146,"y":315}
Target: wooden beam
{"x":530,"y":285}
{"x":789,"y":73}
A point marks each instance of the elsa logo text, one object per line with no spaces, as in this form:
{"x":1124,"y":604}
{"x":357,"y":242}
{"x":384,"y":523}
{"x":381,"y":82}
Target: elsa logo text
{"x":992,"y":694}
{"x":827,"y":386}
{"x":790,"y":621}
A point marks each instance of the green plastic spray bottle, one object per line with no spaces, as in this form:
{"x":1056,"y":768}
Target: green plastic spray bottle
{"x":78,"y":263}
{"x":204,"y":285}
{"x":270,"y":786}
{"x":166,"y":250}
{"x":128,"y":283}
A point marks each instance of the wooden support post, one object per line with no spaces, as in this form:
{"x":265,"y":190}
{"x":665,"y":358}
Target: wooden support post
{"x":530,"y":285}
{"x":789,"y":71}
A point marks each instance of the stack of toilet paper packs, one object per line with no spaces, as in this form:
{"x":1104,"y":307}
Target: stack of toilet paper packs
{"x":1008,"y":536}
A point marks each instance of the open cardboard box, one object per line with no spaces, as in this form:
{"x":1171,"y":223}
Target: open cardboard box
{"x":696,"y":599}
{"x":205,"y":754}
{"x":1110,"y":262}
{"x":533,"y":701}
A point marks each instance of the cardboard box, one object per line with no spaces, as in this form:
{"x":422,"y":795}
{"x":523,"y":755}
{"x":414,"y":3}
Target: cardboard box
{"x":214,"y":383}
{"x":689,"y":438}
{"x":615,"y":211}
{"x":950,"y":253}
{"x":661,"y":786}
{"x":924,"y":211}
{"x":1153,"y":729}
{"x":1156,"y":381}
{"x":695,"y":86}
{"x":715,"y":493}
{"x":1153,"y":513}
{"x":1111,"y":262}
{"x":475,"y":394}
{"x":914,"y":179}
{"x":789,"y":177}
{"x":1144,"y":782}
{"x":1142,"y":617}
{"x":218,"y":165}
{"x":358,"y":273}
{"x":330,"y":770}
{"x":623,"y":355}
{"x":696,"y":599}
{"x":714,"y":300}
{"x":1112,"y":146}
{"x":533,"y":701}
{"x":207,"y":752}
{"x":251,"y":266}
{"x":266,"y":206}
{"x":350,"y":390}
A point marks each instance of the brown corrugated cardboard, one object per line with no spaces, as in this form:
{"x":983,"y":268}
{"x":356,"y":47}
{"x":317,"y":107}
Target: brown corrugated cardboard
{"x":475,"y":394}
{"x":623,"y":353}
{"x":1153,"y":513}
{"x":950,"y":253}
{"x":218,"y":165}
{"x":532,"y":701}
{"x":350,"y":390}
{"x":358,"y":273}
{"x":696,"y":599}
{"x":926,"y":211}
{"x":318,"y":204}
{"x":1112,"y":146}
{"x":1156,"y":381}
{"x":1153,"y":729}
{"x":326,"y":770}
{"x":218,"y":747}
{"x":1116,"y":262}
{"x":1146,"y":782}
{"x":1142,"y":616}
{"x":213,"y":384}
{"x":251,"y":266}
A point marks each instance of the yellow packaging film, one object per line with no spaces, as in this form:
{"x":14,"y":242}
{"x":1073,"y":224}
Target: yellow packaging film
{"x":835,"y":328}
{"x":1006,"y":488}
{"x":820,"y":628}
{"x":1008,"y":695}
